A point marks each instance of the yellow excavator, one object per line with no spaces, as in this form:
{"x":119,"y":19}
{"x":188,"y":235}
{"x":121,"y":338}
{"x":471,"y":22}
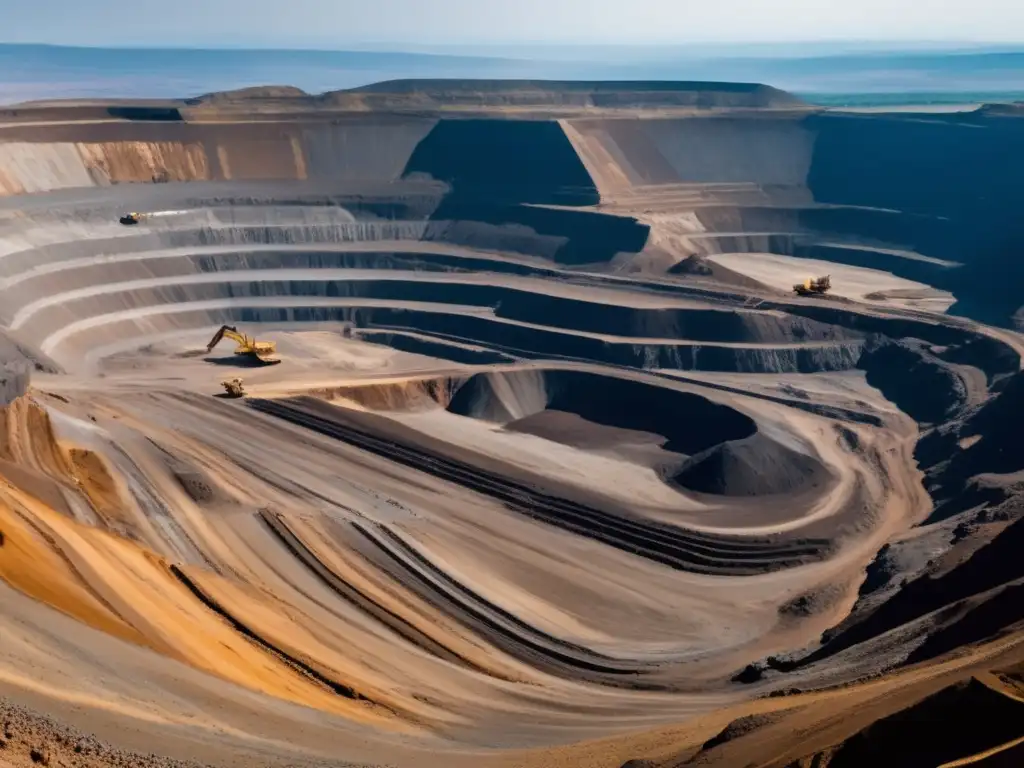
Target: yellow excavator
{"x":814,"y":286}
{"x":263,"y":351}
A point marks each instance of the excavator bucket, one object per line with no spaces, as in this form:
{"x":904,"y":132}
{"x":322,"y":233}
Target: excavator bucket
{"x":267,"y":357}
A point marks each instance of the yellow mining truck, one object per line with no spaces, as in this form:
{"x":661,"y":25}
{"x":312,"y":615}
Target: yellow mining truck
{"x":233,"y":388}
{"x":814,"y":286}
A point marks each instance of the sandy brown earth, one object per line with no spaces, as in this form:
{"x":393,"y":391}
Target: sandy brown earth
{"x":556,"y":470}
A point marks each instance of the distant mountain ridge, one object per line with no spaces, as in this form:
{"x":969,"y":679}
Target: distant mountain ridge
{"x":33,"y":72}
{"x":440,"y":94}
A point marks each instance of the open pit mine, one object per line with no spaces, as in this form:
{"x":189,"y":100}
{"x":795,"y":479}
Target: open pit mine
{"x":568,"y":458}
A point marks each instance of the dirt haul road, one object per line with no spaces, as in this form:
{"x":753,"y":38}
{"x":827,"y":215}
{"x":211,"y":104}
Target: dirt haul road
{"x":556,"y":470}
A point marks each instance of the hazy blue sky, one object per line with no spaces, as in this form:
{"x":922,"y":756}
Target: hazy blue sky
{"x":337,"y":23}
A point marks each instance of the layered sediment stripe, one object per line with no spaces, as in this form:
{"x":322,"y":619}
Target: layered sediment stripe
{"x":701,"y":553}
{"x":372,"y":148}
{"x":228,"y":255}
{"x":53,"y":341}
{"x":330,"y":281}
{"x":529,"y":339}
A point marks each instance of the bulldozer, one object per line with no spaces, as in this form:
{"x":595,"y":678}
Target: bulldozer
{"x":814,"y":286}
{"x":233,"y":388}
{"x":264,"y":352}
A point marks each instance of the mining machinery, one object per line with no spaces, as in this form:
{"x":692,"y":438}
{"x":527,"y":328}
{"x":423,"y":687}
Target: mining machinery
{"x":261,"y":351}
{"x":233,"y":388}
{"x":814,"y":286}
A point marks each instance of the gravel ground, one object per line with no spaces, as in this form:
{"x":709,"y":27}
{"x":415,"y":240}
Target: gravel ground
{"x":28,"y":738}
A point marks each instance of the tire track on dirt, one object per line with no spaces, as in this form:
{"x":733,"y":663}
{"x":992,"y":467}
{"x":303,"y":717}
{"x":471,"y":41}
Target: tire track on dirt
{"x":499,"y":627}
{"x":350,"y":594}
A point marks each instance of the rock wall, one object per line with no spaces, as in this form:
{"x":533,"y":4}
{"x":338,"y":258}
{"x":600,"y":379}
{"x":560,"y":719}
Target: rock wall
{"x":41,"y":159}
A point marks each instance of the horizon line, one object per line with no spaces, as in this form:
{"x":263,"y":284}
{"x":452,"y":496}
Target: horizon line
{"x":425,"y":49}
